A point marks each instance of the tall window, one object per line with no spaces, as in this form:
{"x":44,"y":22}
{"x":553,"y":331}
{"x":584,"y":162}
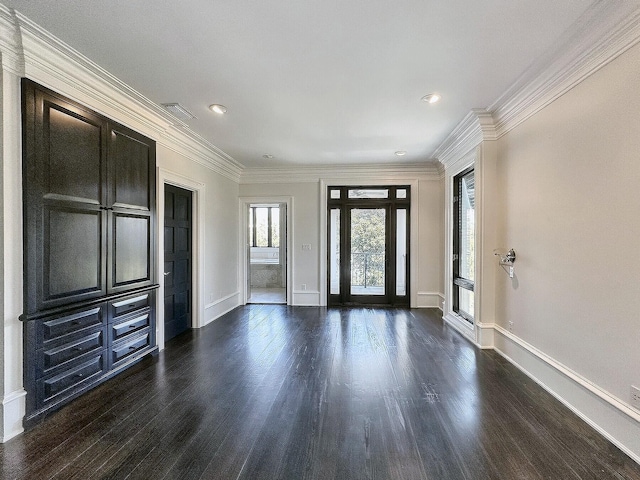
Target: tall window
{"x":464,"y":201}
{"x":264,"y":223}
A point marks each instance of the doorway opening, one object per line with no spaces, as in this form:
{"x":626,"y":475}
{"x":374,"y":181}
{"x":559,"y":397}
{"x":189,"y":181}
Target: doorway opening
{"x":178,"y":233}
{"x":368,"y":245}
{"x":267,"y":253}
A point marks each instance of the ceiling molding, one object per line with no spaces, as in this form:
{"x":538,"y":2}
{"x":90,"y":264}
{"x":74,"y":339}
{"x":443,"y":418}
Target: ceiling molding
{"x":604,"y":32}
{"x":49,"y":61}
{"x":200,"y":155}
{"x":477,"y":126}
{"x":423,"y":171}
{"x":10,"y":42}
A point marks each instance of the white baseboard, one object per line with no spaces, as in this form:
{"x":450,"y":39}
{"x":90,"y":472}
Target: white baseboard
{"x":485,"y":335}
{"x":611,"y":417}
{"x":430,"y":300}
{"x":218,"y":308}
{"x":306,"y":298}
{"x":13,"y":411}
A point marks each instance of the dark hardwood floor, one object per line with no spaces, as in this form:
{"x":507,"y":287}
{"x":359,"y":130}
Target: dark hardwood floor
{"x":276,"y":392}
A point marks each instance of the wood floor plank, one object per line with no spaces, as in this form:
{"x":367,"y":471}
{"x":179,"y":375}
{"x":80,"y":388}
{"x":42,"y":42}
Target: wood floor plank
{"x":278,"y":392}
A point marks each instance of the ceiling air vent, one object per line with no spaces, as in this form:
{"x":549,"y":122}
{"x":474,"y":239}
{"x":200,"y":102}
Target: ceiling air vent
{"x":179,"y":111}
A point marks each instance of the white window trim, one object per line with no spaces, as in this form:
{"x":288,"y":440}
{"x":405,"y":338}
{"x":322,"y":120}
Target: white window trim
{"x":461,"y":324}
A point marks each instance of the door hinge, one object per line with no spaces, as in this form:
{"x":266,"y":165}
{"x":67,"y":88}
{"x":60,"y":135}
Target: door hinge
{"x":455,"y":257}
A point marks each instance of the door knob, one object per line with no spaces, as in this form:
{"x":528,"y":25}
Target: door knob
{"x":166,"y":273}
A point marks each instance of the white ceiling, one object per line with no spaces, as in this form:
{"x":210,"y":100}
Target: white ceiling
{"x":314,"y":82}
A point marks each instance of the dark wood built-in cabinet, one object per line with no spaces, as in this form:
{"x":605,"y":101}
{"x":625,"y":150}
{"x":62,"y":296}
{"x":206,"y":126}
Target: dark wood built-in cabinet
{"x":89,"y":248}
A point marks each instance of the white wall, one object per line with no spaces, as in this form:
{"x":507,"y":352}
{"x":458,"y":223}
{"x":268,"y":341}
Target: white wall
{"x":308,"y":228}
{"x":570,"y":207}
{"x":218,"y":243}
{"x":305,"y":218}
{"x":428,"y":250}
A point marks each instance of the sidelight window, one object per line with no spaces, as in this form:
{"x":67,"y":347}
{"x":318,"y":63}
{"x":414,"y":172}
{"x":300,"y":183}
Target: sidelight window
{"x":464,"y":244}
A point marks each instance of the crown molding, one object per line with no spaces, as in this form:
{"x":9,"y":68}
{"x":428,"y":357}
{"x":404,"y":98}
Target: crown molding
{"x":37,"y":54}
{"x":423,"y":171}
{"x":10,"y":42}
{"x":603,"y":32}
{"x":476,"y":127}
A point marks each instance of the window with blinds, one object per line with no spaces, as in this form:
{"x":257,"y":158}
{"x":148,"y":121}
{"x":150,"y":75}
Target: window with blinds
{"x":464,"y":244}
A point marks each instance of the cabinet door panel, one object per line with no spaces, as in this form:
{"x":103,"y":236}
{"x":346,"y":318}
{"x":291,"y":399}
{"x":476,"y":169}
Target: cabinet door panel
{"x":131,"y":167}
{"x":63,"y":175}
{"x":74,"y":155}
{"x":72,"y":253}
{"x":130,"y":161}
{"x":131,"y":253}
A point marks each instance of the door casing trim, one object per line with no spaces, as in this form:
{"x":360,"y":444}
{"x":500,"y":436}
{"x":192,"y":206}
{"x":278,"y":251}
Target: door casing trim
{"x":197,"y":190}
{"x":244,"y":203}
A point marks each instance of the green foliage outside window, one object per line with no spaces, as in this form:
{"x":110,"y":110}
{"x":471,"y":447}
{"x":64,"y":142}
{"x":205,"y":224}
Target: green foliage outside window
{"x":368,"y":247}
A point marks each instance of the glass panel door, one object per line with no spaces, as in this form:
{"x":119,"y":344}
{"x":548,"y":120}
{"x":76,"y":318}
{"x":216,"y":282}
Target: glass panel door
{"x":368,"y":245}
{"x":368,"y":234}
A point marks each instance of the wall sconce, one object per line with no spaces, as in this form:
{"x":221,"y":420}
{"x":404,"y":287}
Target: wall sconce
{"x":506,"y":260}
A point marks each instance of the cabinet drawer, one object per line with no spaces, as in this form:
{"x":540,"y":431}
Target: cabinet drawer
{"x":52,"y":357}
{"x":69,"y":323}
{"x":129,"y":326}
{"x":68,"y":378}
{"x":129,"y":347}
{"x":128,"y":305}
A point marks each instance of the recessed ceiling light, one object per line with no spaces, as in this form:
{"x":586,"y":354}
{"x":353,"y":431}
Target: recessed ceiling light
{"x":401,"y":153}
{"x":217,"y":108}
{"x":266,"y":155}
{"x":431,"y":98}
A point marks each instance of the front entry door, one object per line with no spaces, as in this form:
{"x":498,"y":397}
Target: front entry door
{"x":368,"y":245}
{"x":366,"y":264}
{"x":177,"y":261}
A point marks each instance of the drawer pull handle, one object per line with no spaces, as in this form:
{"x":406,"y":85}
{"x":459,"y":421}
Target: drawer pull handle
{"x":77,"y":349}
{"x":75,"y":322}
{"x":133,"y":326}
{"x":132,"y":348}
{"x":79,"y":375}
